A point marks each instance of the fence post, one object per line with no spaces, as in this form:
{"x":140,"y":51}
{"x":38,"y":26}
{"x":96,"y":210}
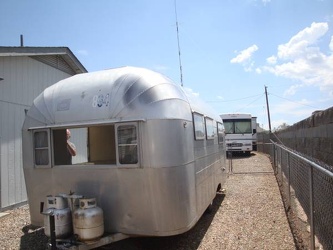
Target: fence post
{"x":288,"y":180}
{"x":312,"y":229}
{"x":273,"y":156}
{"x":230,"y":162}
{"x":281,"y":168}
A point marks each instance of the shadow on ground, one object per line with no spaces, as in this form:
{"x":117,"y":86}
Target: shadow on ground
{"x":33,"y":237}
{"x":189,"y":240}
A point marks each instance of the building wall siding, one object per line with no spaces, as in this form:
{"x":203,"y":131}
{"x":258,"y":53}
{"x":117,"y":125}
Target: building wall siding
{"x":24,"y":79}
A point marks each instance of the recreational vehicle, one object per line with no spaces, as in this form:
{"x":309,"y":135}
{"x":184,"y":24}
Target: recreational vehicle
{"x":241,"y":132}
{"x":149,"y":152}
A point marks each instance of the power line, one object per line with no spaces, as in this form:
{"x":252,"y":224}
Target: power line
{"x":234,"y":100}
{"x":250,"y":103}
{"x":294,"y":101}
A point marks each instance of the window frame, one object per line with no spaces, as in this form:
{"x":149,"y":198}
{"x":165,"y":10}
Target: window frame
{"x":212,"y":136}
{"x":48,"y":148}
{"x":118,"y":163}
{"x":220,"y":132}
{"x":196,"y":137}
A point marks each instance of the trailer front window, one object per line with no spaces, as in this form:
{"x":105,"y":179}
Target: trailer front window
{"x":127,"y":144}
{"x":41,"y":148}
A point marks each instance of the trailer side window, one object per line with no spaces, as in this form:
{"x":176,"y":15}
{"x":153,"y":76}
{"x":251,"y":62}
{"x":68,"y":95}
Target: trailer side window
{"x":199,"y":126}
{"x":210,"y":128}
{"x":220,"y":132}
{"x":41,"y":148}
{"x":127,"y":144}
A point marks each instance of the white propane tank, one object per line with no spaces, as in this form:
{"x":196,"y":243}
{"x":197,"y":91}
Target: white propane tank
{"x":62,"y":216}
{"x":88,"y":220}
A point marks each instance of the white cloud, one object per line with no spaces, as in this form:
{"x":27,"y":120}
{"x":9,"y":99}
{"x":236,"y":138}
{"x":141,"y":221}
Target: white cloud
{"x":276,"y":123}
{"x":331,"y":44}
{"x":302,"y":60}
{"x":244,"y":55}
{"x":271,"y":60}
{"x":245,"y":58}
{"x":298,"y":44}
{"x":292,"y":89}
{"x":190,"y":91}
{"x":299,"y":109}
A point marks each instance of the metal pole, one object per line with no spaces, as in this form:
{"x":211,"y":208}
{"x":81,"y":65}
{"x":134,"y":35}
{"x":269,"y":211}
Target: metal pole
{"x":312,"y":229}
{"x":288,"y":166}
{"x":179,"y":58}
{"x":52,"y":232}
{"x":274,"y":156}
{"x":230,"y":161}
{"x":0,"y":169}
{"x":281,"y":168}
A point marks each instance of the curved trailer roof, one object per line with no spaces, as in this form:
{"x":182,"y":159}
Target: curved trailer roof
{"x":120,"y":94}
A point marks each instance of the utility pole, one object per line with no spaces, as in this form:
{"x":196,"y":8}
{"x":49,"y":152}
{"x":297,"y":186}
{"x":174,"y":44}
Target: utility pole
{"x":269,"y":117}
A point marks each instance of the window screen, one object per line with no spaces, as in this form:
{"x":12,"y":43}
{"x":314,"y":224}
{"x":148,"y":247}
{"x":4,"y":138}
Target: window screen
{"x":210,"y":128}
{"x":41,"y":148}
{"x":199,"y":126}
{"x":220,"y":133}
{"x":127,"y":144}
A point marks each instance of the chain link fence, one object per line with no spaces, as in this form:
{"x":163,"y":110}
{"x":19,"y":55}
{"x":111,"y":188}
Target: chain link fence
{"x":307,"y":190}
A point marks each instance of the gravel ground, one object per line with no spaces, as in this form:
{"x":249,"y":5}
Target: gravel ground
{"x":249,"y":215}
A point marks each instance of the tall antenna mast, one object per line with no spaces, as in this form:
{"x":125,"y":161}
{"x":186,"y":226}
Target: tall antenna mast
{"x":180,"y":62}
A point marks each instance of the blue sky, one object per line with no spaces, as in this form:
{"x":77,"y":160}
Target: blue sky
{"x":230,"y":49}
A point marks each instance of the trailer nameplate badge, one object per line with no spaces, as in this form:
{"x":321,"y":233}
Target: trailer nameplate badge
{"x":101,"y":100}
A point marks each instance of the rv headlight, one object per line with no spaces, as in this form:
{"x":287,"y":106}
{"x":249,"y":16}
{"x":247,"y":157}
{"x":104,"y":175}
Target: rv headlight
{"x":247,"y":144}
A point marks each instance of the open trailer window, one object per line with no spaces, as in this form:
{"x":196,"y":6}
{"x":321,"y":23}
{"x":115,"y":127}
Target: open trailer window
{"x":41,"y":148}
{"x":127,"y":144}
{"x":94,"y":145}
{"x":102,"y":145}
{"x":110,"y":144}
{"x":199,"y":126}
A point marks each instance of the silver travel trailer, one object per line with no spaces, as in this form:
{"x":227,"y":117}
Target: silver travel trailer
{"x":152,"y":155}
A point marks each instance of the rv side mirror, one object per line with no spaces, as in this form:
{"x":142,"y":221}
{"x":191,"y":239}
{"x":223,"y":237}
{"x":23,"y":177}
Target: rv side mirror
{"x":254,"y":131}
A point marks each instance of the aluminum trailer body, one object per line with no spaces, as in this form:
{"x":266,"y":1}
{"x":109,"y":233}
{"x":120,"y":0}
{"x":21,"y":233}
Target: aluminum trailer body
{"x":151,"y":154}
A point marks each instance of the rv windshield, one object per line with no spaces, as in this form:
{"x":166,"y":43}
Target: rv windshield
{"x":237,"y":126}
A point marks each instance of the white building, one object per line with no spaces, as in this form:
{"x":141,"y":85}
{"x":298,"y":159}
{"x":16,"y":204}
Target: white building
{"x":24,"y":73}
